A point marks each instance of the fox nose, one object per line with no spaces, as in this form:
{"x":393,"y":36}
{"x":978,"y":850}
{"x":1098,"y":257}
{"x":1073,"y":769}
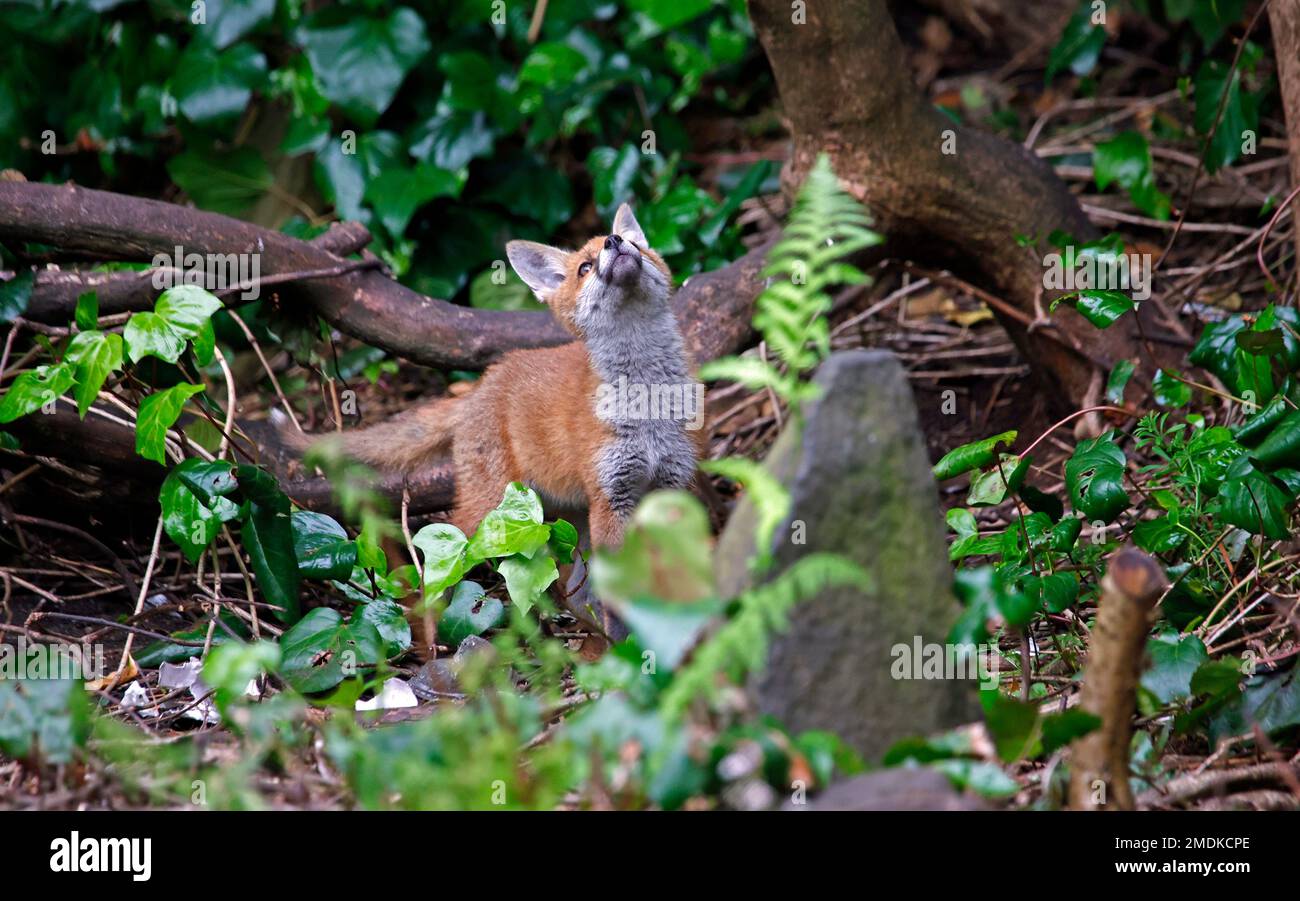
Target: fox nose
{"x":612,"y":242}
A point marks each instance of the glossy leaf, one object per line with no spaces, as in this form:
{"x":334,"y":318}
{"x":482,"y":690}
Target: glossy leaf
{"x":158,"y":413}
{"x":471,"y":612}
{"x":268,"y":537}
{"x":322,"y":547}
{"x":34,"y":389}
{"x":975,"y":455}
{"x":1094,"y":476}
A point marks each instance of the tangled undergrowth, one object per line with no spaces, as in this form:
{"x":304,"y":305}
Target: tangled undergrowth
{"x":1198,"y":465}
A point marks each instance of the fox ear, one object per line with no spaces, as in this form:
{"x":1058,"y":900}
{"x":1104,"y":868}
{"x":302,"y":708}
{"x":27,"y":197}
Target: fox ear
{"x":540,"y":266}
{"x":626,"y":226}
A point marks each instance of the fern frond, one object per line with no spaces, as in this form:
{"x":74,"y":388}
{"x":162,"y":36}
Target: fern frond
{"x":770,"y":498}
{"x":825,"y":226}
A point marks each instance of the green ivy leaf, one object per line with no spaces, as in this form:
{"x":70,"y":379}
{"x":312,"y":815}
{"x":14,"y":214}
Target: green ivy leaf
{"x":87,"y":312}
{"x":398,"y":192}
{"x":551,"y":64}
{"x":209,"y":482}
{"x":514,"y":527}
{"x":268,"y":537}
{"x":526,"y":578}
{"x":15,"y":294}
{"x":49,"y":717}
{"x":190,"y":522}
{"x":1079,"y":47}
{"x":975,"y":455}
{"x":451,"y":139}
{"x":1102,"y":308}
{"x":563,"y":540}
{"x":34,"y":389}
{"x":1065,"y":533}
{"x":471,"y":612}
{"x":1174,"y":658}
{"x":148,"y":335}
{"x":361,"y":60}
{"x":389,"y":620}
{"x":181,"y":314}
{"x":322,"y":547}
{"x":187,"y":308}
{"x":1094,"y":476}
{"x":1159,"y":535}
{"x":613,"y":172}
{"x":230,"y":20}
{"x":1118,"y":379}
{"x":1240,"y":112}
{"x":95,"y":354}
{"x":668,"y":15}
{"x":990,"y":488}
{"x":1260,"y":425}
{"x":212,"y":87}
{"x":549,"y":191}
{"x":320,"y":650}
{"x":1059,"y":729}
{"x":983,"y":778}
{"x":1210,"y":20}
{"x":1271,"y":701}
{"x":1254,"y":501}
{"x":1057,"y":591}
{"x":1013,"y":725}
{"x":158,"y":413}
{"x":1125,"y":160}
{"x":1216,"y":350}
{"x":1281,"y":447}
{"x":968,"y":543}
{"x":442,"y":547}
{"x":1169,"y":390}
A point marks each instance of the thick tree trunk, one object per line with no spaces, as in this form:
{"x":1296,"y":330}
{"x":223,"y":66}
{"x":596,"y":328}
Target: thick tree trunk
{"x":1284,"y":18}
{"x":938,"y":190}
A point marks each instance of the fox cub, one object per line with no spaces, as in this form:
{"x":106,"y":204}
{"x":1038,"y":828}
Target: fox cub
{"x":593,"y":424}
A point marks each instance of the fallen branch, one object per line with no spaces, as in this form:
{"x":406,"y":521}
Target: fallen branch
{"x":714,"y":308}
{"x":1193,"y":786}
{"x":55,"y":291}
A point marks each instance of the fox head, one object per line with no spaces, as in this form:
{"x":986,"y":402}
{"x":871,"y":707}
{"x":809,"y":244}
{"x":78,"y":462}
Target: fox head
{"x":611,"y":277}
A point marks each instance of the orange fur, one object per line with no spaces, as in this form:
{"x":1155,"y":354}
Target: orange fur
{"x":531,"y":418}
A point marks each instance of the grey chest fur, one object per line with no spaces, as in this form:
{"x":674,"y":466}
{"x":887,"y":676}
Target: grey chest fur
{"x":649,"y":399}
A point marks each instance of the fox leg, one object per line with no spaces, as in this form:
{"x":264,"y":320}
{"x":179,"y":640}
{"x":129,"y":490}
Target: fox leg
{"x":606,"y":524}
{"x":471,"y":506}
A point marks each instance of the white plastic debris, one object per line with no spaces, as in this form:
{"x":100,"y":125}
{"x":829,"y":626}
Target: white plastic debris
{"x":136,"y":695}
{"x":395,"y":693}
{"x":205,"y":711}
{"x":184,"y":675}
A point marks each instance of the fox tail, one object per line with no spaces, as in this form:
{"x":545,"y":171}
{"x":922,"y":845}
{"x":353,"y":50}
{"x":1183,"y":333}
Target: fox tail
{"x":401,"y":444}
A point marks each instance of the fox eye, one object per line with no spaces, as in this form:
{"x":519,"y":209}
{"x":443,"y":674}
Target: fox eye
{"x":584,"y":269}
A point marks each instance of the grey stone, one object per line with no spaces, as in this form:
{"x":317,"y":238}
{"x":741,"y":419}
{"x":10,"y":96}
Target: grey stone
{"x":860,"y":486}
{"x":898,"y":789}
